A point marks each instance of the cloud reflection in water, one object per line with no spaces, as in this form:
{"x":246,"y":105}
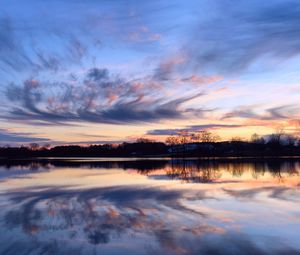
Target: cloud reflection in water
{"x":152,"y":219}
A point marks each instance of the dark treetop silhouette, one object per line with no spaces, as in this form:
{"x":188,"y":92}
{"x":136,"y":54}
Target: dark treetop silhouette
{"x":198,"y":144}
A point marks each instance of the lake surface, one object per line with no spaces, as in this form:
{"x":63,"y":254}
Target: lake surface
{"x":158,"y":206}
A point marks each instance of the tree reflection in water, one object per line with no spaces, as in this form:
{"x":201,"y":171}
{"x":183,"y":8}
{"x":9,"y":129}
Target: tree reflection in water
{"x":211,"y":171}
{"x":139,"y":219}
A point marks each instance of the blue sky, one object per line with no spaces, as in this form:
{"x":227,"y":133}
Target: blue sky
{"x":105,"y":71}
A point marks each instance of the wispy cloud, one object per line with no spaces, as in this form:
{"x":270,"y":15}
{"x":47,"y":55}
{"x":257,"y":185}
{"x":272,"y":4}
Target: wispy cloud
{"x":19,"y":50}
{"x":8,"y":137}
{"x":238,"y":33}
{"x":192,"y":128}
{"x":97,"y":97}
{"x":283,"y":112}
{"x":164,"y":61}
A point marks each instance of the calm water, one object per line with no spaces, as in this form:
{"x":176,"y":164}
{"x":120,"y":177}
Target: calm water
{"x":91,"y":206}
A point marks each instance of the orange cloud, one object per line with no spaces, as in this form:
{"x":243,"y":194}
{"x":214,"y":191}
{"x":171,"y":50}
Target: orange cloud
{"x":200,"y":80}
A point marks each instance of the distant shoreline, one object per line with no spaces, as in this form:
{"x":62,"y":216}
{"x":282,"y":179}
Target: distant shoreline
{"x":148,"y":149}
{"x":146,"y":158}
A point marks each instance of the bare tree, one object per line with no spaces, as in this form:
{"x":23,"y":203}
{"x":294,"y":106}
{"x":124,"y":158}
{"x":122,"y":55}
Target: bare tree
{"x":297,"y":127}
{"x":204,"y":136}
{"x":172,"y":140}
{"x":184,"y":137}
{"x":257,"y":139}
{"x":276,"y":137}
{"x":46,"y":146}
{"x":291,"y":140}
{"x":144,"y":140}
{"x":254,"y":138}
{"x":195,"y":137}
{"x":236,"y":139}
{"x":34,"y":146}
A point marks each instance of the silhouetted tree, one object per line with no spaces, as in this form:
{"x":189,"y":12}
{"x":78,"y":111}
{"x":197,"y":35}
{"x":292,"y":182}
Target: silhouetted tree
{"x":291,"y":140}
{"x":236,"y":139}
{"x":257,"y":139}
{"x":46,"y":146}
{"x":144,"y":140}
{"x":172,"y":141}
{"x":196,"y":144}
{"x":297,"y":133}
{"x":276,"y":137}
{"x":184,"y":137}
{"x":205,"y":137}
{"x":34,"y":146}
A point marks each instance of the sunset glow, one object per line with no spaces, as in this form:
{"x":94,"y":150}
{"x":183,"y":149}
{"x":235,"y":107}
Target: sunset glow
{"x":111,"y":71}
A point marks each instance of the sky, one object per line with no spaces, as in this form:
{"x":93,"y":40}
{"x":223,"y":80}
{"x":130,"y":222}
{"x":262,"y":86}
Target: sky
{"x":87,"y":71}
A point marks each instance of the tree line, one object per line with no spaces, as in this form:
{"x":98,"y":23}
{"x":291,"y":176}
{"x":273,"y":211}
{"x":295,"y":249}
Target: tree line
{"x":184,"y":144}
